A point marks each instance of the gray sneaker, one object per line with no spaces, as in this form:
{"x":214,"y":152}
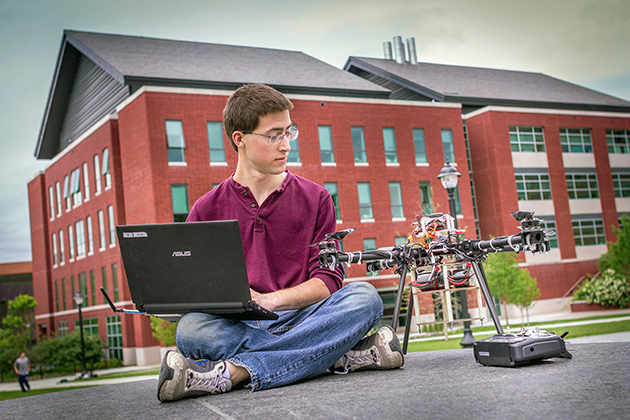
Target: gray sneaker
{"x":380,"y":350}
{"x":182,"y":378}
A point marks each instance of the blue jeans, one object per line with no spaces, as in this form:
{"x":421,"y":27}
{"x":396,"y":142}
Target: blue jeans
{"x":301,"y":344}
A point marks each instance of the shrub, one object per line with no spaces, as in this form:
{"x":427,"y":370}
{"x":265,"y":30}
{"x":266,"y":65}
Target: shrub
{"x":609,"y":289}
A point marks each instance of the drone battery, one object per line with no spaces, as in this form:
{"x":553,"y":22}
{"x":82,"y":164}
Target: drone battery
{"x":513,"y":350}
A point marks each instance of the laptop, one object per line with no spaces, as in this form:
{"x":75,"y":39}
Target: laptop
{"x":176,"y":268}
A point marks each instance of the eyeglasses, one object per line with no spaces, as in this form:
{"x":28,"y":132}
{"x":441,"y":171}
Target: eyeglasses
{"x":277,"y":138}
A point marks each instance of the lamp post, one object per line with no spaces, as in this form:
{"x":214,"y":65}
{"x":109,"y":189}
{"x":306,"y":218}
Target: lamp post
{"x":78,"y":298}
{"x":449,"y":178}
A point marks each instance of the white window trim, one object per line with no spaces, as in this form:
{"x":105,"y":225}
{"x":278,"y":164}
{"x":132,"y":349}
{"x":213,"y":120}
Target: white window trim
{"x":399,"y":219}
{"x":331,"y":164}
{"x":211,"y":164}
{"x":178,"y":164}
{"x":368,"y":221}
{"x":294,"y":163}
{"x":361,"y":164}
{"x":392,"y":164}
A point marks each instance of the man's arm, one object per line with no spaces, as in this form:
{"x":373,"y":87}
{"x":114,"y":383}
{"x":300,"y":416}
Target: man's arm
{"x":297,"y":297}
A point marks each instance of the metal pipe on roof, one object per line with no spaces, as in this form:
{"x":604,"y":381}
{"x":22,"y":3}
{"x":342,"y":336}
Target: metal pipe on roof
{"x":387,"y":50}
{"x":399,"y":50}
{"x":411,"y":49}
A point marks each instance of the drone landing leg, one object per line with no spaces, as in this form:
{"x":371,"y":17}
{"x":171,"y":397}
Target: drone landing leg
{"x":399,"y":297}
{"x":483,"y":283}
{"x":408,"y":321}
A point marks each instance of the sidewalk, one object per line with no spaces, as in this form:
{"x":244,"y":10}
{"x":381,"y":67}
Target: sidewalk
{"x":70,"y":380}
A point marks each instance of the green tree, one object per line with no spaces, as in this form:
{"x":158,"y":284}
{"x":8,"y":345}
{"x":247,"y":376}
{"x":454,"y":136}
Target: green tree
{"x":163,"y":331}
{"x":17,"y":332}
{"x":617,"y":258}
{"x":510,"y":283}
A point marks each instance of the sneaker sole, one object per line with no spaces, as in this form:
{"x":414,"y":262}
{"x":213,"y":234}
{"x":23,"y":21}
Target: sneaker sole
{"x":389,"y":337}
{"x":167,"y":383}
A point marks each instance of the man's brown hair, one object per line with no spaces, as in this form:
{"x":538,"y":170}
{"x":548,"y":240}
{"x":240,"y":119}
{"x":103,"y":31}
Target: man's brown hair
{"x":248,"y":104}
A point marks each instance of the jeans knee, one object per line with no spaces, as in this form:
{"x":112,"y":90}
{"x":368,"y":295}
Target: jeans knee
{"x":366,"y":297}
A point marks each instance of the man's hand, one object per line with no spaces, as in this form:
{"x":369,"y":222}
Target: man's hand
{"x":300,"y":296}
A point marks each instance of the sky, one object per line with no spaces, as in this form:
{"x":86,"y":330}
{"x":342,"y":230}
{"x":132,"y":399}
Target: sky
{"x":586,"y":42}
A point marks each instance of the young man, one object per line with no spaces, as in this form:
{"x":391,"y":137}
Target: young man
{"x":22,"y":367}
{"x":321,"y":325}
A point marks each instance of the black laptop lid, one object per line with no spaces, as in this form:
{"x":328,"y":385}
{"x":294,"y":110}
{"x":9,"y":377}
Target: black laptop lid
{"x":185,"y":267}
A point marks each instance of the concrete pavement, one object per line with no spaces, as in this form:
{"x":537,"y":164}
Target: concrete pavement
{"x":445,"y":384}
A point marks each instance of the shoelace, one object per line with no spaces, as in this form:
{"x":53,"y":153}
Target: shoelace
{"x":212,"y":382}
{"x":363,"y":358}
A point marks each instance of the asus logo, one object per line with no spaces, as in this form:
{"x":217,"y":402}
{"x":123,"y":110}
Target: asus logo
{"x":181,"y":254}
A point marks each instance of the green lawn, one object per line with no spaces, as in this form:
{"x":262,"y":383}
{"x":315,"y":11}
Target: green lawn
{"x":9,"y":395}
{"x":480,"y":333}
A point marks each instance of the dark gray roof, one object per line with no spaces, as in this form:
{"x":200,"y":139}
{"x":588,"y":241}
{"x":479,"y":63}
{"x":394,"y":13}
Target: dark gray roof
{"x":483,"y":86}
{"x":95,"y":72}
{"x":141,"y":60}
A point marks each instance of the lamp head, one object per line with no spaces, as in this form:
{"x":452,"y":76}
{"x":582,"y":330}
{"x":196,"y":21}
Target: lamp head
{"x":78,"y":298}
{"x":449,"y":176}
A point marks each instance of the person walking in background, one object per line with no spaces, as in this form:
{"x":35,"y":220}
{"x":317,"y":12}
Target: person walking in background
{"x":22,"y":367}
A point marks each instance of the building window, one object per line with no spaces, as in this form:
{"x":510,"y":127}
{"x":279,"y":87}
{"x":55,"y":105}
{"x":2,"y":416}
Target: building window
{"x":358,"y":145}
{"x":527,"y":139}
{"x":618,"y":141}
{"x":51,"y":199}
{"x":66,"y":192}
{"x":533,"y":186}
{"x":368,"y":245}
{"x":294,"y":153}
{"x":447,"y":146}
{"x":62,"y":249}
{"x":90,"y":236}
{"x":101,"y":230}
{"x":589,"y":232}
{"x":84,"y":289}
{"x":426,"y":201}
{"x":106,"y":170}
{"x":215,"y":142}
{"x":419,"y":145}
{"x":325,"y":144}
{"x":104,"y":276}
{"x":179,"y":196}
{"x":365,"y":201}
{"x":332,"y":189}
{"x":115,"y":282}
{"x":389,"y":141}
{"x":97,"y":175}
{"x":551,"y":225}
{"x":175,"y":141}
{"x":114,"y":337}
{"x":63,"y":294}
{"x":90,"y":326}
{"x":576,"y":140}
{"x":75,"y":187}
{"x":112,"y":226}
{"x":58,"y":191}
{"x":80,"y":231}
{"x":54,"y":250}
{"x":62,"y":328}
{"x":621,"y":184}
{"x":86,"y":181}
{"x":56,"y":295}
{"x":395,"y":197}
{"x":72,"y":289}
{"x":93,"y":287}
{"x":582,"y":186}
{"x":400,"y":240}
{"x":70,"y":243}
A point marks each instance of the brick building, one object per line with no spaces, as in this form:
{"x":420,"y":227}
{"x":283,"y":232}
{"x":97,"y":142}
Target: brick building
{"x":125,"y":151}
{"x":133,"y":131}
{"x":536,"y":143}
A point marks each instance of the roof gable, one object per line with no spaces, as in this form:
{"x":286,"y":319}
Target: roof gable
{"x":128,"y":62}
{"x":483,"y":86}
